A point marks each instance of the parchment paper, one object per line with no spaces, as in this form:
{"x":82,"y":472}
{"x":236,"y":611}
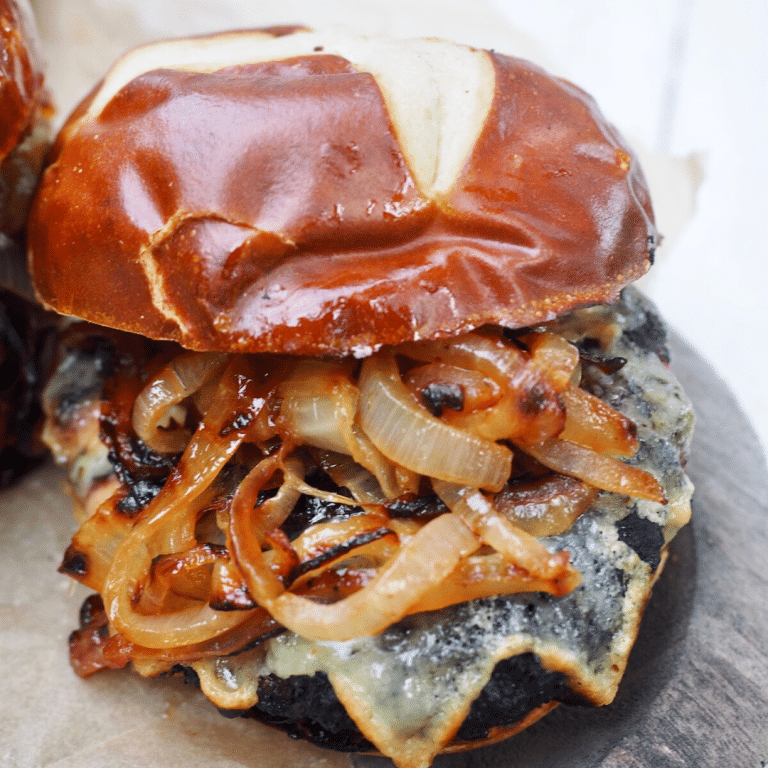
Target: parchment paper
{"x":48,"y":716}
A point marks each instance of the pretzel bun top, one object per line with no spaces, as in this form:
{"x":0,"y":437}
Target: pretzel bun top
{"x":285,"y":190}
{"x":24,"y":111}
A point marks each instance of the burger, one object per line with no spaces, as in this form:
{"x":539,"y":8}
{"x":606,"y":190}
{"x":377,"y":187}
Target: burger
{"x":24,"y":135}
{"x":368,"y":433}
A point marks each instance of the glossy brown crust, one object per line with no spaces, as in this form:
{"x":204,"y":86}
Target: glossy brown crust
{"x":24,"y":103}
{"x":273,"y":209}
{"x":21,"y":79}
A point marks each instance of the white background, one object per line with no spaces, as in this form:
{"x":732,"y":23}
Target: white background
{"x":685,"y":81}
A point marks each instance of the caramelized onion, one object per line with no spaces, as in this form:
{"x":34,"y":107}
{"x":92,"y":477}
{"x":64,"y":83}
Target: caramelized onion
{"x":169,"y":597}
{"x":514,"y":544}
{"x":319,"y":408}
{"x":272,"y":512}
{"x":420,"y":564}
{"x":529,"y":409}
{"x":87,"y":644}
{"x":228,"y":589}
{"x":410,"y":436}
{"x":592,"y":423}
{"x":317,"y":397}
{"x":244,"y":533}
{"x":167,"y":524}
{"x":605,"y":472}
{"x":477,"y":391}
{"x":128,"y":576}
{"x":486,"y":576}
{"x":556,"y":357}
{"x":157,"y":405}
{"x":393,"y":480}
{"x":347,"y":473}
{"x":256,"y":625}
{"x":98,"y":539}
{"x":546,"y":507}
{"x":185,"y":575}
{"x":336,"y":583}
{"x":323,"y":537}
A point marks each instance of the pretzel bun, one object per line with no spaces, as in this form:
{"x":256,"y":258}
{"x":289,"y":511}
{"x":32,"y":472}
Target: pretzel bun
{"x":24,"y":137}
{"x":24,"y":112}
{"x":286,"y":190}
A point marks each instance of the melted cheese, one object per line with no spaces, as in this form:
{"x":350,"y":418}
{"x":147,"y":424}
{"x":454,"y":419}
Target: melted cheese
{"x":409,"y":688}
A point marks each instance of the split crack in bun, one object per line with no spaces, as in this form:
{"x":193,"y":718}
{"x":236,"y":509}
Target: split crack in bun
{"x":205,"y":189}
{"x":312,"y":199}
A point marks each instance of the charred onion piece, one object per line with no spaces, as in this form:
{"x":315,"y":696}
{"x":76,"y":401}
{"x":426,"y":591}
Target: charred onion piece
{"x":557,"y":357}
{"x":90,"y":556}
{"x":326,"y":537}
{"x":228,"y":589}
{"x":87,"y":644}
{"x":388,"y":413}
{"x":167,"y":524}
{"x":528,"y":410}
{"x":175,"y":579}
{"x":486,"y":576}
{"x":476,"y":390}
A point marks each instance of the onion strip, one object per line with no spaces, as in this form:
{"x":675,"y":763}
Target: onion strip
{"x":322,"y":537}
{"x":420,"y":564}
{"x":157,"y":530}
{"x":159,"y":400}
{"x":514,"y":544}
{"x":605,"y":472}
{"x":547,"y":507}
{"x":592,"y":423}
{"x":258,"y":625}
{"x":485,"y":576}
{"x":347,"y":473}
{"x":243,"y":535}
{"x":318,"y":396}
{"x":174,"y":576}
{"x":556,"y":356}
{"x":319,"y":408}
{"x":529,"y":409}
{"x":409,"y":435}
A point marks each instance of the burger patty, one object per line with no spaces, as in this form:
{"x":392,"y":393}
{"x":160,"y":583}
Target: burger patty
{"x":508,"y":655}
{"x":305,"y":706}
{"x":460,"y":672}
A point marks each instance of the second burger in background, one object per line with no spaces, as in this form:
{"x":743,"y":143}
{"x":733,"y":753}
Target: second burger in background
{"x":372,"y":443}
{"x":25,"y":111}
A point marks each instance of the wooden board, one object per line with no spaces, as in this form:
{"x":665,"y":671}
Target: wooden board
{"x":696,"y":688}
